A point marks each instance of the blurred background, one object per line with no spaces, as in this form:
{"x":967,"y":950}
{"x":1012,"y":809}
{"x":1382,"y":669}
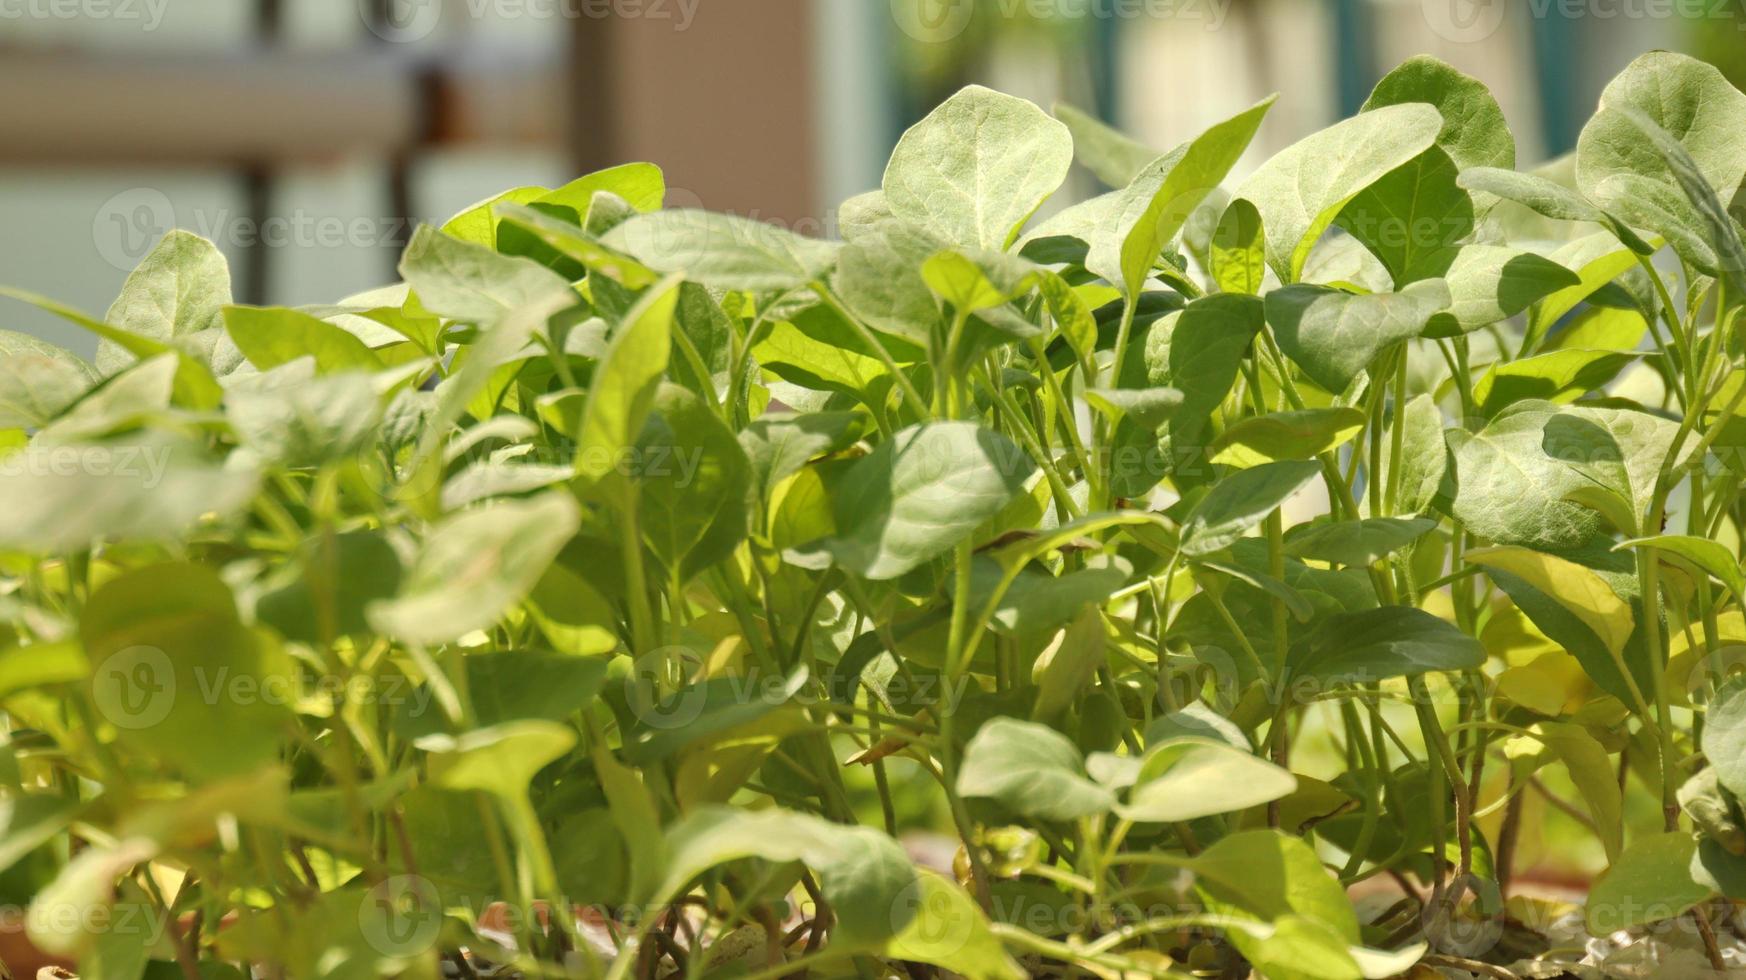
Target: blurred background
{"x":304,"y":136}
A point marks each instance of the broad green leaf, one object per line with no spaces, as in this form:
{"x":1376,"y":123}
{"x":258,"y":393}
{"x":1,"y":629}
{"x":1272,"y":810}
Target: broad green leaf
{"x":1303,"y":188}
{"x":777,"y":446}
{"x":1627,"y":172}
{"x":35,"y":665}
{"x":515,"y":685}
{"x":574,"y":242}
{"x":724,"y":250}
{"x":196,"y":387}
{"x":62,"y":499}
{"x":1148,"y":407}
{"x":1711,"y":810}
{"x":698,"y":713}
{"x":467,"y":281}
{"x":1547,"y":197}
{"x":692,"y":483}
{"x":976,"y":169}
{"x":1424,"y":457}
{"x":1031,"y":770}
{"x":947,"y":929}
{"x":864,"y":874}
{"x":1717,"y":248}
{"x":1114,"y":157}
{"x":1724,"y":738}
{"x":174,"y":297}
{"x":972,"y":282}
{"x":271,"y":336}
{"x":140,"y":393}
{"x":1377,"y":644}
{"x":1037,"y":602}
{"x":927,"y":488}
{"x":1618,"y":450}
{"x":180,"y":676}
{"x":1558,"y":377}
{"x":475,"y":566}
{"x":623,"y":389}
{"x":1414,"y":216}
{"x":292,"y":418}
{"x":1491,"y":283}
{"x":1239,"y":502}
{"x":641,"y":185}
{"x":797,"y":357}
{"x":1511,"y":490}
{"x":1591,"y":770}
{"x":1238,"y":256}
{"x":38,"y":381}
{"x":880,"y":276}
{"x":1334,"y":335}
{"x":1578,"y":589}
{"x":1068,"y":665}
{"x":500,"y":759}
{"x":478,"y":223}
{"x":1711,"y":557}
{"x":30,"y":820}
{"x":1301,"y":434}
{"x":1362,"y":542}
{"x":1597,"y":259}
{"x":1150,"y":211}
{"x":1197,"y":351}
{"x":1649,"y":882}
{"x":1268,"y":876}
{"x":329,"y":588}
{"x":1185,"y":779}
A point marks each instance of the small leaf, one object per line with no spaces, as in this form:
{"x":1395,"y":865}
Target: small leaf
{"x":1302,"y":188}
{"x":1239,"y":252}
{"x":625,"y":383}
{"x":1361,"y":543}
{"x":1031,"y":770}
{"x":1651,"y":881}
{"x":1710,"y":556}
{"x":723,"y":250}
{"x":1377,"y":644}
{"x":270,"y":337}
{"x":1148,"y":407}
{"x":1578,"y":589}
{"x":475,"y":566}
{"x":1184,"y":779}
{"x":1240,"y":501}
{"x":1333,"y":335}
{"x":467,"y":281}
{"x":1275,"y":436}
{"x":927,"y":488}
{"x":976,"y":169}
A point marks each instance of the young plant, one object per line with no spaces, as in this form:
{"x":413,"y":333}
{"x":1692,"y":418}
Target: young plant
{"x":622,"y":592}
